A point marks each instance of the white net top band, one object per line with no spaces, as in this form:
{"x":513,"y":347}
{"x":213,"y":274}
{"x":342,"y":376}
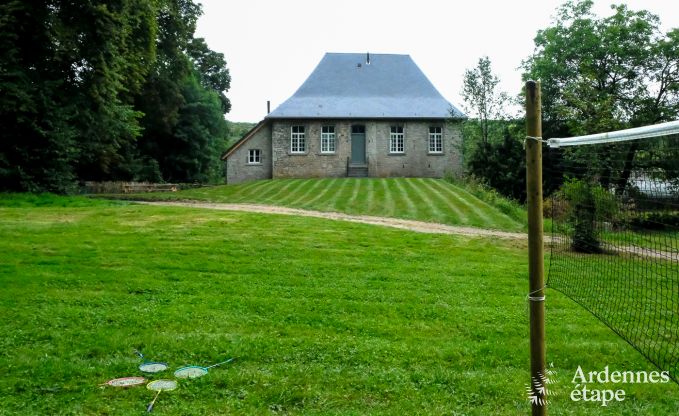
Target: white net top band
{"x":656,"y":130}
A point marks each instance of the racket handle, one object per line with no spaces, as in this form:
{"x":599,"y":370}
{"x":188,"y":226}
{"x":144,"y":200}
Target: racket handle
{"x":148,"y":409}
{"x":223,"y":362}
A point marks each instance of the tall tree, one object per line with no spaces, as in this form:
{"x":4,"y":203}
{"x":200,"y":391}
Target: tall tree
{"x":492,"y":153}
{"x":483,"y":101}
{"x":68,"y":70}
{"x":211,"y":69}
{"x":183,"y":100}
{"x":601,"y":74}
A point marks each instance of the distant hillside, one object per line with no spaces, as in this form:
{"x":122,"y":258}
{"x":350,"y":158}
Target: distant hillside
{"x":237,"y":129}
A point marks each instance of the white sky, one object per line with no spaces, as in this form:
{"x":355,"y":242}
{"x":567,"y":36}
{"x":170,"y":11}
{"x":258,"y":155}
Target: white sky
{"x":271,"y":46}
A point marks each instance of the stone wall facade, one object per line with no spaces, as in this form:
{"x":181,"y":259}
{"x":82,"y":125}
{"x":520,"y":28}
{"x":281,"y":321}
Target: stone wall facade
{"x":238,"y":168}
{"x":415,"y":161}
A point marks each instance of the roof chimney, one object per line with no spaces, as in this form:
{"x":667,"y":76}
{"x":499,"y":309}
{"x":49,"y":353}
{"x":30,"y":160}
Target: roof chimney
{"x":268,"y":106}
{"x":367,"y":59}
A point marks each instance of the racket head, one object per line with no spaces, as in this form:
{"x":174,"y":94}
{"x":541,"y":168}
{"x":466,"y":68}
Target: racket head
{"x":162,"y":385}
{"x":126,"y":381}
{"x":152,"y":367}
{"x":191,"y":371}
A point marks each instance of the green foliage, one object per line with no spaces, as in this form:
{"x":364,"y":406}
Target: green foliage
{"x":237,"y":130}
{"x":483,"y":102}
{"x":198,"y":137}
{"x":655,"y":220}
{"x":501,"y":164}
{"x":92,"y":88}
{"x":603,"y":74}
{"x":211,"y":68}
{"x":183,"y":101}
{"x":491,"y":145}
{"x":589,"y":205}
{"x":491,"y":196}
{"x":26,"y":200}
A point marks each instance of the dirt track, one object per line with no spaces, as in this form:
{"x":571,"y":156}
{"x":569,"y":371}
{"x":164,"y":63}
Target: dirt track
{"x":411,"y":225}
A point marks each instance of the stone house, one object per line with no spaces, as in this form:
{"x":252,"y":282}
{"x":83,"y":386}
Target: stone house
{"x":356,"y":115}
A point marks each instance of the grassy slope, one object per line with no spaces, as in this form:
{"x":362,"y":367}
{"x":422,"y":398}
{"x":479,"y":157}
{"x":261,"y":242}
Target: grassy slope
{"x":431,"y":200}
{"x":324,"y":317}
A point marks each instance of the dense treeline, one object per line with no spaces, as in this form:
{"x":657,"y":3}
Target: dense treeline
{"x":598,"y":74}
{"x":108,"y":90}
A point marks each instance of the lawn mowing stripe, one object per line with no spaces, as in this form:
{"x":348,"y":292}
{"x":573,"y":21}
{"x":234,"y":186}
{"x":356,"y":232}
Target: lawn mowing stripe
{"x":292,"y":192}
{"x":245,"y":192}
{"x":248,"y":191}
{"x":387,"y":199}
{"x":354,"y":192}
{"x":468,"y":196}
{"x":284,"y":192}
{"x":283,"y":186}
{"x":453,"y":214}
{"x":342,"y":202}
{"x":268,"y":187}
{"x":243,"y":186}
{"x":332,"y":203}
{"x":475,"y":215}
{"x":309,"y":191}
{"x":500,"y":213}
{"x":435,"y":214}
{"x":395,"y":195}
{"x":330,"y":185}
{"x":370,"y":194}
{"x":411,"y":209}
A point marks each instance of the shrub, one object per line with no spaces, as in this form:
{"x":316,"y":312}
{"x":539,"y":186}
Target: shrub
{"x":588,"y":205}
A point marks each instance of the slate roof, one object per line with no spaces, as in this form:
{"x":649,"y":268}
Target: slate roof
{"x":344,"y":85}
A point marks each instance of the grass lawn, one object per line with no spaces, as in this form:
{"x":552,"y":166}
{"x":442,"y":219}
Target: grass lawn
{"x":425,"y":199}
{"x":323,"y":317}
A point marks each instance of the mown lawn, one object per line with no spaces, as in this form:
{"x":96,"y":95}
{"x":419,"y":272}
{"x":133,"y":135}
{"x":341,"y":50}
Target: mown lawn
{"x":425,"y":199}
{"x":323,"y":317}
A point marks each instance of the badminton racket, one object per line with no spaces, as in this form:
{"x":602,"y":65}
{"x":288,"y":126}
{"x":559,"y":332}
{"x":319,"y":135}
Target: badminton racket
{"x":195,"y":371}
{"x":150,"y":366}
{"x":158,"y":386}
{"x":125,"y":382}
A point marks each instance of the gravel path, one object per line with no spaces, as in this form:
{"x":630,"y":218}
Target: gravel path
{"x":411,"y":225}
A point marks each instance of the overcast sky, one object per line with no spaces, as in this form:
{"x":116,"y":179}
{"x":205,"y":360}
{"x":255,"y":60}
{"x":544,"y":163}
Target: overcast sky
{"x":271,"y":46}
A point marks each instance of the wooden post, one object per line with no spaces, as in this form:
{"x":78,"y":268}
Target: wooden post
{"x":535,"y":248}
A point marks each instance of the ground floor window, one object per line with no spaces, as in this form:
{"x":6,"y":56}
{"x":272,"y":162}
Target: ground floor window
{"x":254,"y":156}
{"x":435,"y":140}
{"x":297,"y":140}
{"x":328,"y":139}
{"x":396,"y":140}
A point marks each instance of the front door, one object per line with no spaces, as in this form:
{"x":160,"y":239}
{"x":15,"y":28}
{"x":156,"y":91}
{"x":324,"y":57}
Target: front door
{"x":358,"y":145}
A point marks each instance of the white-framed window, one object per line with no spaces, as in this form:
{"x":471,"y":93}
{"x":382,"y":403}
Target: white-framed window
{"x":328,"y":139}
{"x":254,"y":156}
{"x":396,"y":141}
{"x":435,"y":140}
{"x":297,"y":140}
